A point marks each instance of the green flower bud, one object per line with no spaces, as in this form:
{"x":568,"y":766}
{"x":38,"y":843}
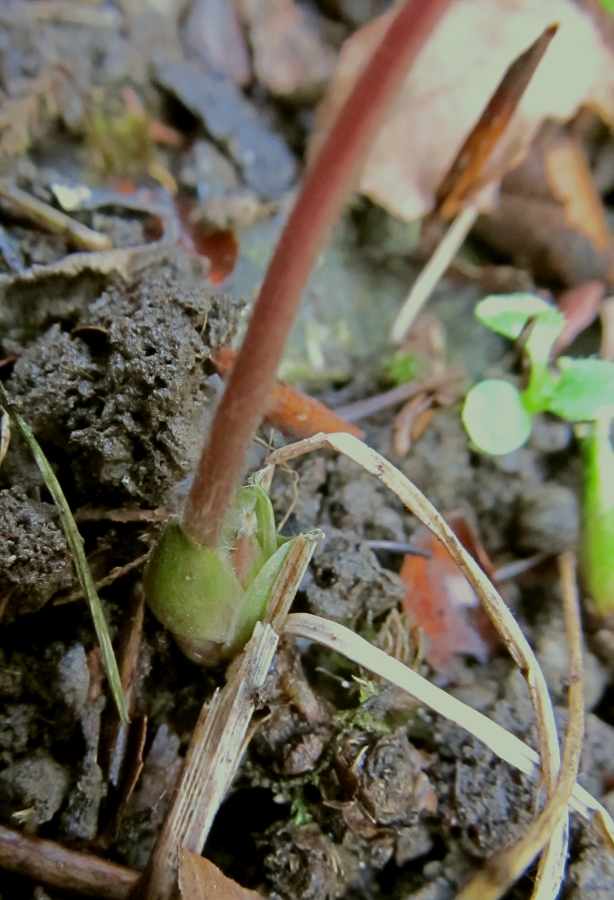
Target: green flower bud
{"x":211,"y":599}
{"x":598,"y":529}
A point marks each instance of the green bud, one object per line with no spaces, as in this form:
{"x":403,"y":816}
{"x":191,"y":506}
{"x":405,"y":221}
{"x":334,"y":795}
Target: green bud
{"x":211,"y":599}
{"x":598,"y":528}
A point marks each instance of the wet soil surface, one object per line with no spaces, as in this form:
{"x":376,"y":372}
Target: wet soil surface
{"x":348,"y":789}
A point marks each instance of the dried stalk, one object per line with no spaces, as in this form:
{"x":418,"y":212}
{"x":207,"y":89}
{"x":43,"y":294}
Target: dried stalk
{"x":502,"y":871}
{"x":502,"y":618}
{"x":48,"y":862}
{"x":54,"y":220}
{"x":219,"y":739}
{"x":507,"y":746}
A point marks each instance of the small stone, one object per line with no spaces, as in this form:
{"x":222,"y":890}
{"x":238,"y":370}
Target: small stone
{"x":32,"y":790}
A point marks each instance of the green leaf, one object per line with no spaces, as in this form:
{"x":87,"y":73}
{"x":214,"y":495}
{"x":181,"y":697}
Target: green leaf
{"x":495,"y":417}
{"x":508,"y":314}
{"x":608,"y":5}
{"x":585,"y":388}
{"x":71,"y":532}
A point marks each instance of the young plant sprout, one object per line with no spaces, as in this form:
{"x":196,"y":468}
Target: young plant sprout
{"x":209,"y":576}
{"x":497,"y":417}
{"x":496,"y":414}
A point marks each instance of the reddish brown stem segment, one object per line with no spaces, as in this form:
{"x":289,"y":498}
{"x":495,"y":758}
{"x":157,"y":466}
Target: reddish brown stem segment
{"x":52,"y":864}
{"x":319,"y":202}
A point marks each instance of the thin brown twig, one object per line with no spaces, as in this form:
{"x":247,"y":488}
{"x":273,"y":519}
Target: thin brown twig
{"x":114,"y":574}
{"x":502,"y":871}
{"x":124,"y":515}
{"x":49,"y":863}
{"x":51,"y":219}
{"x":371,"y":405}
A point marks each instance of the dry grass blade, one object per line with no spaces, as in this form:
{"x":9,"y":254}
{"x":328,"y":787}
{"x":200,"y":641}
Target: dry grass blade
{"x":221,"y":735}
{"x":507,"y":746}
{"x":75,"y":543}
{"x":501,"y":617}
{"x":502,"y":871}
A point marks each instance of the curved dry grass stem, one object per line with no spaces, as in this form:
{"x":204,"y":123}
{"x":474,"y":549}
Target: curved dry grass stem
{"x":500,"y":872}
{"x":500,"y":615}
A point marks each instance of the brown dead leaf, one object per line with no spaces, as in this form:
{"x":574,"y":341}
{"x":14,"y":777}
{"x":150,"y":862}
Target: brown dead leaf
{"x":549,"y":217}
{"x":199,"y":879}
{"x":452,"y":81}
{"x":289,"y":58}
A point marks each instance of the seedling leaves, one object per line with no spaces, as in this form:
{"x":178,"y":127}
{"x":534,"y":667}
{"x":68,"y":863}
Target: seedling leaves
{"x":585,"y":388}
{"x":495,"y":417}
{"x":508,"y":314}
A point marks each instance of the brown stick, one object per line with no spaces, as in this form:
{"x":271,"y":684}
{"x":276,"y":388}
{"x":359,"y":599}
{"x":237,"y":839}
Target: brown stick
{"x":463,"y":176}
{"x":52,"y":864}
{"x":322,"y":194}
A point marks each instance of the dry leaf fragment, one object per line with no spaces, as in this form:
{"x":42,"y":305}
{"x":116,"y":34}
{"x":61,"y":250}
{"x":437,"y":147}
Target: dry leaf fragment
{"x":199,"y":879}
{"x":289,"y":58}
{"x":454,"y":77}
{"x":212,"y":31}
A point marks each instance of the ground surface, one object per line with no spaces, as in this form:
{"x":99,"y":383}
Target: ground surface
{"x":348,"y":789}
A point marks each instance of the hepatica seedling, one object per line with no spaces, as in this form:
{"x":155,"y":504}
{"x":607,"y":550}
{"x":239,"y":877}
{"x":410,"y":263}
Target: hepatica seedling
{"x":498,"y":417}
{"x":210,"y":599}
{"x":496,"y":414}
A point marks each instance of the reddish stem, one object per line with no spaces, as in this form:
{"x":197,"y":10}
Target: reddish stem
{"x":322,"y":194}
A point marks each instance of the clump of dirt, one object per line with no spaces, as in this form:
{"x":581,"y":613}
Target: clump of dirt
{"x":346,"y":582}
{"x":119,"y":405}
{"x":35,"y":562}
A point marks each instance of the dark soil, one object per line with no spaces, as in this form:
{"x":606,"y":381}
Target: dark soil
{"x":348,"y":789}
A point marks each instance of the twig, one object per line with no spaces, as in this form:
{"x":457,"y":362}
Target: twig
{"x":54,"y":220}
{"x":73,"y":539}
{"x":322,"y":194}
{"x":363,"y":408}
{"x":126,"y":515}
{"x":519,"y":567}
{"x":68,"y":870}
{"x":434,"y":269}
{"x":500,"y":873}
{"x":114,"y":574}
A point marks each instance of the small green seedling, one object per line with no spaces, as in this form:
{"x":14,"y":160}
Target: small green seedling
{"x":211,"y":599}
{"x":496,"y":414}
{"x":498,"y":420}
